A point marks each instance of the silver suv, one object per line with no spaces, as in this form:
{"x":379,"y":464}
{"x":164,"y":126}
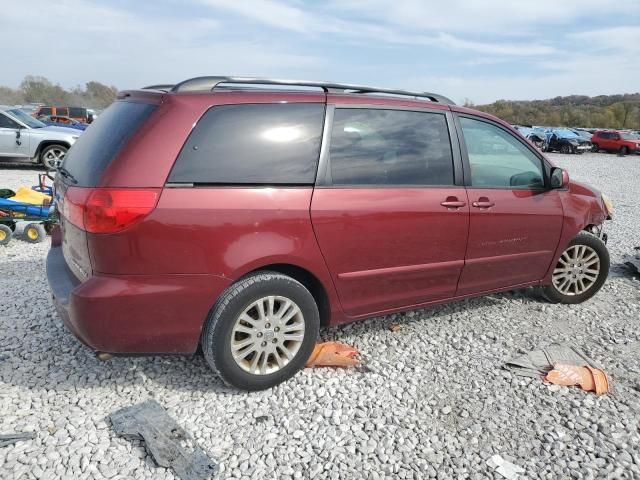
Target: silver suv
{"x":22,"y":137}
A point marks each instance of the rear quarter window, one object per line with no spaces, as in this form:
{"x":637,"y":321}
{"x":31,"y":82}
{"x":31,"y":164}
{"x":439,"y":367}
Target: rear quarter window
{"x":253,"y":144}
{"x":97,"y":146}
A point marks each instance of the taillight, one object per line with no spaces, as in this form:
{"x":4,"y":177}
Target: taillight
{"x":108,"y":210}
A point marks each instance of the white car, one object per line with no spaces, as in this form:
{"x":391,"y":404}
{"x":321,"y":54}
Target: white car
{"x":24,"y":138}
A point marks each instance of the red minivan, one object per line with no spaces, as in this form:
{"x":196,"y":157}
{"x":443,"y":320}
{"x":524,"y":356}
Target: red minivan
{"x":239,"y":216}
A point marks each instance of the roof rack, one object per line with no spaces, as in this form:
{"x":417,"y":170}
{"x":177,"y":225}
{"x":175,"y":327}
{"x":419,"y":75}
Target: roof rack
{"x":198,"y":84}
{"x":165,"y":87}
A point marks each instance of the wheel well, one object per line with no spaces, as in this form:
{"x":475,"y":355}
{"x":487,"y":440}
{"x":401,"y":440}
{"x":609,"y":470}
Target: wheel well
{"x":310,"y":281}
{"x":47,"y":143}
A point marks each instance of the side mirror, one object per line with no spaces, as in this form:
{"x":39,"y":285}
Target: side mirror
{"x":559,"y":178}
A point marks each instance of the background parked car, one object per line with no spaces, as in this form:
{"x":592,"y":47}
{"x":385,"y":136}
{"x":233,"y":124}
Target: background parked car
{"x":81,"y":114}
{"x":56,"y":120}
{"x":613,"y":141}
{"x":23,"y":137}
{"x":564,"y":140}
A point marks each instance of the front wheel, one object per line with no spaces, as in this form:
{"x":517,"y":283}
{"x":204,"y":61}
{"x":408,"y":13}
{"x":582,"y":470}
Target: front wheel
{"x":595,"y":148}
{"x":624,"y":150}
{"x":261,"y":332}
{"x":581,"y":270}
{"x":52,"y":156}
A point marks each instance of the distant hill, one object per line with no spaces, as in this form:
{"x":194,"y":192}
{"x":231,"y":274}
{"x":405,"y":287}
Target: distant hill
{"x":603,"y":111}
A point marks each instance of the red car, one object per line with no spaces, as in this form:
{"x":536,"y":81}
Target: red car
{"x":613,"y":141}
{"x":225,"y":213}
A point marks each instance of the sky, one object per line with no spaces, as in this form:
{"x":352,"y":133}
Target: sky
{"x":476,"y":50}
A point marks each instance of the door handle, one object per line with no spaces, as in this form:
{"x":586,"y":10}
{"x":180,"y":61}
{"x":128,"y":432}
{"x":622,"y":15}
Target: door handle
{"x":483,"y":202}
{"x":453,"y":202}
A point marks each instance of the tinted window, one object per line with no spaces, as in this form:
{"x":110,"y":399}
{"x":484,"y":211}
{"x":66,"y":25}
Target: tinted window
{"x":97,"y":146}
{"x":77,"y":112}
{"x":6,"y":122}
{"x":44,"y":111}
{"x":498,"y":159}
{"x":63,"y":111}
{"x":390,"y":147}
{"x":253,"y":144}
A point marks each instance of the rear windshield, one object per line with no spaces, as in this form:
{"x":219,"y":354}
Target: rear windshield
{"x":97,"y":146}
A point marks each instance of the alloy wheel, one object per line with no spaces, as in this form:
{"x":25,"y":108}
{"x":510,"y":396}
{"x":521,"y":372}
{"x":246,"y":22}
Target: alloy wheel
{"x":53,"y":157}
{"x":267,"y":335}
{"x":577,"y":270}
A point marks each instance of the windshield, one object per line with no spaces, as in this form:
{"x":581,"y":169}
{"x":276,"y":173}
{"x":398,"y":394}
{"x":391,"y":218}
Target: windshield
{"x":630,"y":136}
{"x":28,"y":120}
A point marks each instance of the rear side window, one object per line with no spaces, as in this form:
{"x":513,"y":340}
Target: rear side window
{"x":390,"y":147}
{"x":77,"y":112}
{"x":268,"y":144}
{"x":62,"y":111}
{"x":97,"y":146}
{"x":44,"y":111}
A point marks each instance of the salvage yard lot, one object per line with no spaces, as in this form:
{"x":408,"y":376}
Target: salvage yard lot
{"x":431,"y":401}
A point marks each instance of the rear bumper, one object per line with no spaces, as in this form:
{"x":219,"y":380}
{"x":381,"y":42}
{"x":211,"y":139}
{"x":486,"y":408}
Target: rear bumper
{"x":133,"y":314}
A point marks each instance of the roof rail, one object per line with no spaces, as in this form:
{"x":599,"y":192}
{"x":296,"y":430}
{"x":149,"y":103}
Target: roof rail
{"x":199,"y":84}
{"x":165,"y":87}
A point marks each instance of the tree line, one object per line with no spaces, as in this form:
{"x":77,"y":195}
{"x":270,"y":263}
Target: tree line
{"x":603,"y":111}
{"x":34,"y":89}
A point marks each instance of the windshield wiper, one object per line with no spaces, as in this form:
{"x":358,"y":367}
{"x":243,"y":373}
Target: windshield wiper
{"x":66,"y":174}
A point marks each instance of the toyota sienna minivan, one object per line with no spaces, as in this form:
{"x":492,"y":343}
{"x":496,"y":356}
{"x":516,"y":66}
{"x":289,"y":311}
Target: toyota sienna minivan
{"x":240,"y":215}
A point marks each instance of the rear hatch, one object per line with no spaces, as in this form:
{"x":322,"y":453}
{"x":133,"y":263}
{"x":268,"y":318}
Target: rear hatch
{"x":83,"y":205}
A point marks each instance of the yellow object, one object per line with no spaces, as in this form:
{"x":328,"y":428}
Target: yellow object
{"x":3,"y":235}
{"x":32,"y":233}
{"x":26,"y":195}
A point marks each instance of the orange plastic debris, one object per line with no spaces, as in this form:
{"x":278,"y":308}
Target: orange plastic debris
{"x":333,"y":354}
{"x":588,"y":378}
{"x":395,"y":327}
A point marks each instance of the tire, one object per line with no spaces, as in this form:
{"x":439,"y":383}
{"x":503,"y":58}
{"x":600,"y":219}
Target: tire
{"x":577,"y":273}
{"x":566,"y":149}
{"x":595,"y":148}
{"x":35,"y":233}
{"x":624,"y":150}
{"x":243,"y":299}
{"x":5,"y":234}
{"x":51,"y":157}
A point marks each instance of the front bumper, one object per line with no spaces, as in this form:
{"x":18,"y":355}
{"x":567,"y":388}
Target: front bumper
{"x":133,"y":314}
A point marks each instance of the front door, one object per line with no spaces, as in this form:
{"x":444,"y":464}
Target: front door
{"x":515,"y":221}
{"x":389,"y":219}
{"x":14,"y":142}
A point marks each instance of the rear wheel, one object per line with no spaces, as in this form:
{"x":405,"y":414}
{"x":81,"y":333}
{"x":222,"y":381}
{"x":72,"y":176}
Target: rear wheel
{"x":52,"y":156}
{"x":624,"y":150}
{"x":35,"y":233}
{"x":595,"y":148}
{"x":261,"y":331}
{"x":5,"y":234}
{"x":566,"y":149}
{"x":581,"y":270}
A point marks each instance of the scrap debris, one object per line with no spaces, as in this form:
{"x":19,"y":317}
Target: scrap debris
{"x":634,"y":260}
{"x":508,"y":470}
{"x":11,"y":438}
{"x":333,"y":354}
{"x":561,"y":365}
{"x":395,"y":327}
{"x":588,"y":378}
{"x":165,"y":440}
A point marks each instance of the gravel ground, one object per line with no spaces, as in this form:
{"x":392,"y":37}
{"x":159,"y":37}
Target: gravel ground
{"x":432,"y":401}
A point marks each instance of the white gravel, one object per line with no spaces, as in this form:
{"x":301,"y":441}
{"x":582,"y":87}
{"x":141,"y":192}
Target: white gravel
{"x":432,"y":402}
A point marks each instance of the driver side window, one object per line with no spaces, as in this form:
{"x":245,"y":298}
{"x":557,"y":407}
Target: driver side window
{"x":499,"y":160}
{"x":6,"y":122}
